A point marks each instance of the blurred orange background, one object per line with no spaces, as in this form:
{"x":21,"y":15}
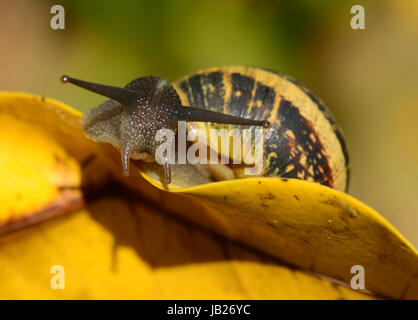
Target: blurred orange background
{"x":368,"y":78}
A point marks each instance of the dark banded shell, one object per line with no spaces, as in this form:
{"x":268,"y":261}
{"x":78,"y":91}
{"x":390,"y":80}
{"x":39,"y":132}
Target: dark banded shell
{"x":304,"y":141}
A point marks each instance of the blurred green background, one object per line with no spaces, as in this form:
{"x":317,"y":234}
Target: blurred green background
{"x":368,"y":78}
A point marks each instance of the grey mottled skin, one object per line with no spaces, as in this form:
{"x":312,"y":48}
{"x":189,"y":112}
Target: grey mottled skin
{"x":131,"y":120}
{"x":132,"y":129}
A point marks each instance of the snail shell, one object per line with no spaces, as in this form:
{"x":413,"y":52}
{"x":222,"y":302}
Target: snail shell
{"x":303,"y":142}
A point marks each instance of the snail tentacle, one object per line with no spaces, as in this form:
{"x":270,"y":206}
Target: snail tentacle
{"x":122,"y":95}
{"x":204,"y":115}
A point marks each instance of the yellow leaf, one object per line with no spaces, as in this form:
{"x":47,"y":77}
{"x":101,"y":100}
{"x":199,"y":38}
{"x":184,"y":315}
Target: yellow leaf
{"x":118,"y":247}
{"x":306,"y":225}
{"x":37,"y":172}
{"x":42,"y":152}
{"x":303,"y":223}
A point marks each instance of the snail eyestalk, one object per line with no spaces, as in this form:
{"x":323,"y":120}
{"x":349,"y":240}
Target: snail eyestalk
{"x":204,"y":115}
{"x":266,"y":124}
{"x":122,"y":95}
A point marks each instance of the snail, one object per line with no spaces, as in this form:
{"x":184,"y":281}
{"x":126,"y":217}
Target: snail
{"x":302,"y":139}
{"x":133,"y":117}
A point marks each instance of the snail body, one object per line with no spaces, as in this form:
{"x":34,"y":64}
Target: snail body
{"x":131,"y":119}
{"x":301,"y":138}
